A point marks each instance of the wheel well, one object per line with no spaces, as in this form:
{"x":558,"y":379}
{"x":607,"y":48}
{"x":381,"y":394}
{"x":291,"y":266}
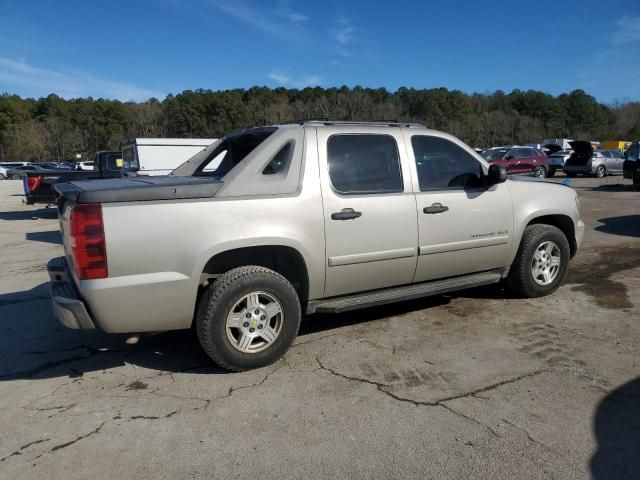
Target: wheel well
{"x":287,"y":261}
{"x":564,"y":224}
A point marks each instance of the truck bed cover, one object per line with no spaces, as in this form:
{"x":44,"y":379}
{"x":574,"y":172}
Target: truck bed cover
{"x":134,"y":189}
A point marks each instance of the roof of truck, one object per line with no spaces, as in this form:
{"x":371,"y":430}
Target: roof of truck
{"x":195,"y":142}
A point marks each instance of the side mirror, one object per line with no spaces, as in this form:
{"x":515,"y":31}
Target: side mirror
{"x":497,"y":174}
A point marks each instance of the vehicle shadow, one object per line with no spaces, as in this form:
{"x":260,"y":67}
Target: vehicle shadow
{"x":627,"y":225}
{"x":617,"y":431}
{"x":51,"y":236}
{"x":35,"y":346}
{"x":614,"y":187}
{"x":46,"y":213}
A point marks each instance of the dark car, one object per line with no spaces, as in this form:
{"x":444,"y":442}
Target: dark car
{"x":16,"y":173}
{"x":38,"y":185}
{"x":631,"y":165}
{"x":517,"y":159}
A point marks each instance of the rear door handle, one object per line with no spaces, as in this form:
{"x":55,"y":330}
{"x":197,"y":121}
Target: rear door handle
{"x":435,"y":208}
{"x":346,"y":214}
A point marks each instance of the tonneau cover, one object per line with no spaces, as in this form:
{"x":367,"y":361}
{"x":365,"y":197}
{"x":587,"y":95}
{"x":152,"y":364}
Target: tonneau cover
{"x":135,"y":189}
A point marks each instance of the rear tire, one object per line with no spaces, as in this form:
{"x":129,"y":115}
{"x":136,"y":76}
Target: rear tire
{"x":636,"y":180}
{"x":570,"y":175}
{"x":15,"y":177}
{"x":601,"y":172}
{"x":552,"y":172}
{"x":541,"y":245}
{"x":2,"y":176}
{"x":244,"y":299}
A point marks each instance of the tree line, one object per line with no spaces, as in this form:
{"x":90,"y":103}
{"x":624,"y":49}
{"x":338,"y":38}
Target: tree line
{"x":56,"y":129}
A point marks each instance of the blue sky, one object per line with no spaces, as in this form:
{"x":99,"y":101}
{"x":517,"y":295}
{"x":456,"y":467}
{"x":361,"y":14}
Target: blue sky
{"x":135,"y":49}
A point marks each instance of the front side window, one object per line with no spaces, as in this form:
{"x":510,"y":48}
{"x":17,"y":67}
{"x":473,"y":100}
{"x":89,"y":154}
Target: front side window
{"x":634,"y":150}
{"x":364,"y":164}
{"x":443,"y":165}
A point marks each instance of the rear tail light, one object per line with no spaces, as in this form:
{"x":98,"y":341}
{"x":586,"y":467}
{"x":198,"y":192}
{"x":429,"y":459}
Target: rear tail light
{"x":88,"y":247}
{"x":33,"y":183}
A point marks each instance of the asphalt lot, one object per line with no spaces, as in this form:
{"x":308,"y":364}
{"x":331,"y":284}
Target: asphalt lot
{"x":470,"y":385}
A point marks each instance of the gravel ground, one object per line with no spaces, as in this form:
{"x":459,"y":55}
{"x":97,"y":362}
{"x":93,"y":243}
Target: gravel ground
{"x":469,"y":385}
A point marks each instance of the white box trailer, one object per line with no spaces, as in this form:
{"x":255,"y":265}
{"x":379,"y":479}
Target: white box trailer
{"x":160,"y":156}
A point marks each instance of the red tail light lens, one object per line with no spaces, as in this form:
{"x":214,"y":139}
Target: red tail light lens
{"x":33,"y":182}
{"x":88,"y":247}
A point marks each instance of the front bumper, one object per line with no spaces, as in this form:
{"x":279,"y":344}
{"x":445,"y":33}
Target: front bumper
{"x":68,"y":307}
{"x":579,"y":234}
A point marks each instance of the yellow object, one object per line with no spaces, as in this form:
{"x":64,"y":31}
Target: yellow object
{"x":119,"y":162}
{"x":615,"y":145}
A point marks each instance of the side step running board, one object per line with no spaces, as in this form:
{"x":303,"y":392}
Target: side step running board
{"x":407,"y":292}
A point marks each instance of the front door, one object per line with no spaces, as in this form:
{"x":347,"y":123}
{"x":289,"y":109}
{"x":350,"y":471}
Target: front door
{"x":463,"y":227}
{"x":369,"y":209}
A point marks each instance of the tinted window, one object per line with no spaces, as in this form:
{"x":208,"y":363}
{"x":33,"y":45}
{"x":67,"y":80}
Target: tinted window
{"x":228,"y":153}
{"x":443,"y":165}
{"x":364,"y":164}
{"x":495,"y":154}
{"x":280,"y":162}
{"x":632,"y":153}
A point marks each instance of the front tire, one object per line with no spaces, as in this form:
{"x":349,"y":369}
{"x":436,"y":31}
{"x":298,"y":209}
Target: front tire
{"x":539,"y":172}
{"x":601,"y":172}
{"x":541,"y":262}
{"x":552,"y":172}
{"x":15,"y":177}
{"x":248,"y":318}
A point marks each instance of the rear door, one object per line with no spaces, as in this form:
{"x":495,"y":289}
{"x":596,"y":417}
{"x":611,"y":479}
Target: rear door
{"x":462,"y":226}
{"x":369,"y":209}
{"x":617,"y":161}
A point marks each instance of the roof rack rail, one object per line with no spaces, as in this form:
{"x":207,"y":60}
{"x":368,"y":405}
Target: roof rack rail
{"x":374,"y":123}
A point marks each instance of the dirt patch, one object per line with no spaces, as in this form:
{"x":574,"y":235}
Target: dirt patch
{"x":593,"y":277}
{"x":137,"y":385}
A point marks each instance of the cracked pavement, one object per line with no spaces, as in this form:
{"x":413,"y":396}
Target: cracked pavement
{"x":471,"y":385}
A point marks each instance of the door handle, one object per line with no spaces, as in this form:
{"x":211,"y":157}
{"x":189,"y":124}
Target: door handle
{"x":346,"y":214}
{"x":435,"y":208}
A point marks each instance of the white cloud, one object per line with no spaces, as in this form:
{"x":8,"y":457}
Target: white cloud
{"x":34,"y":81}
{"x":292,"y":16}
{"x":283,"y":78}
{"x":252,"y":15}
{"x":627,"y":30}
{"x":280,"y":77}
{"x":343,"y":33}
{"x":622,"y":78}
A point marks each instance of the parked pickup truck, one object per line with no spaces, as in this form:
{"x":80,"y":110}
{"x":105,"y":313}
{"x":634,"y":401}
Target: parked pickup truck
{"x":297,"y":219}
{"x":38,"y":185}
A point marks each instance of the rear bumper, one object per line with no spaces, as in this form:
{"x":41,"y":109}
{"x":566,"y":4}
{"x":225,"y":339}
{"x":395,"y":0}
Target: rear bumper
{"x":68,"y":307}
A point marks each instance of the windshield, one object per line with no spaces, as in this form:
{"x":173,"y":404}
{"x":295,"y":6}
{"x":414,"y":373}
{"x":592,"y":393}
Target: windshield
{"x":495,"y":154}
{"x":129,"y":157}
{"x":228,"y":152}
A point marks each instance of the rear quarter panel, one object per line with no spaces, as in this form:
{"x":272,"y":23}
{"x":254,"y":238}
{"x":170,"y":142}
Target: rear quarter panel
{"x":156,"y":251}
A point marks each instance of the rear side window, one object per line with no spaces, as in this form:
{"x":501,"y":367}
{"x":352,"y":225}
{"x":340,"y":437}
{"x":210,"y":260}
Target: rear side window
{"x":364,"y":164}
{"x":279,"y":164}
{"x":443,"y":165}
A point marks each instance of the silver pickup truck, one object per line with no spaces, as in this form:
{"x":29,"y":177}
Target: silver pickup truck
{"x":271,"y":223}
